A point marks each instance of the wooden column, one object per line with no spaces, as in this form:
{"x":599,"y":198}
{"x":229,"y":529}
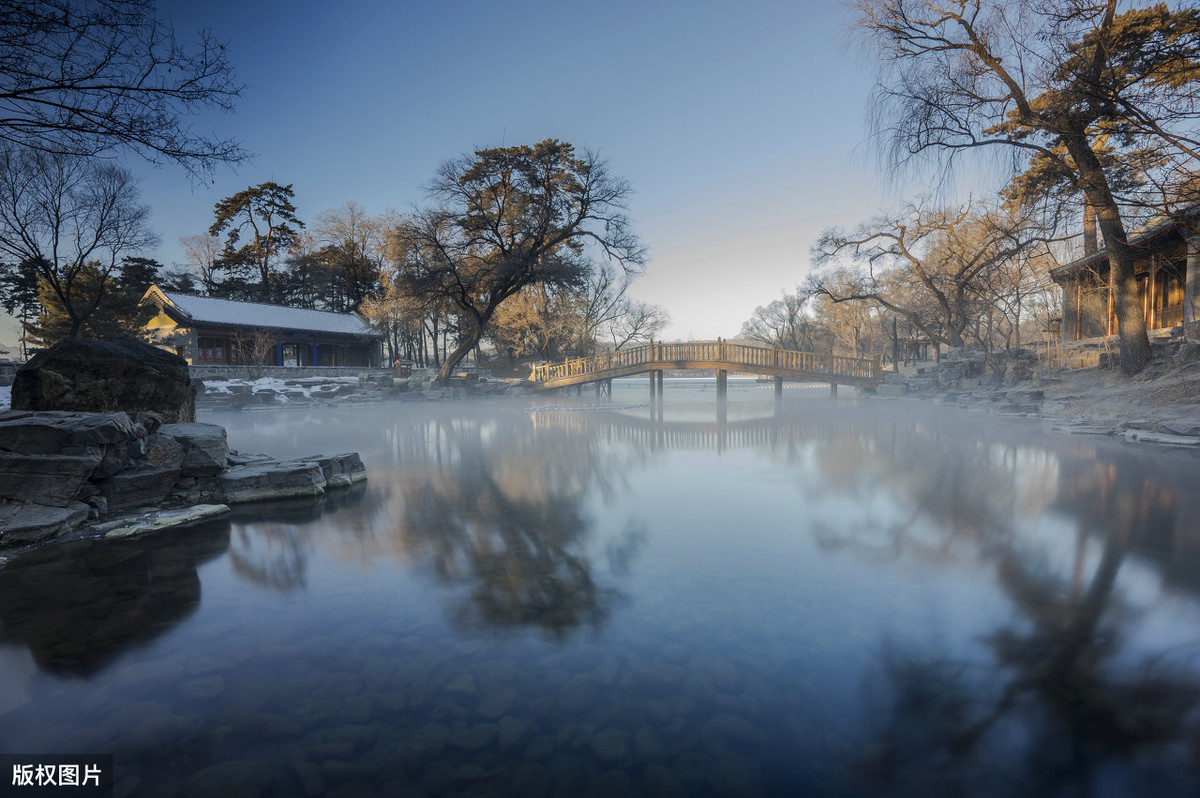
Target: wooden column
{"x":1191,"y":280}
{"x":660,"y":382}
{"x":1153,"y":322}
{"x":652,"y":383}
{"x":722,"y":387}
{"x":779,"y":387}
{"x":833,"y":390}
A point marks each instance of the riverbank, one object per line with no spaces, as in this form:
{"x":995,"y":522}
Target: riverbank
{"x":1160,"y":406}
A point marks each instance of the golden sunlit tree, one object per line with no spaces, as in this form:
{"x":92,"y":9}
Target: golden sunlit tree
{"x":1096,"y":102}
{"x":507,"y":218}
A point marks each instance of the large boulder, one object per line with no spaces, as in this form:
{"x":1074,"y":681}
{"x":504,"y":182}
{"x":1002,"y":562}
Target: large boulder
{"x":106,"y":376}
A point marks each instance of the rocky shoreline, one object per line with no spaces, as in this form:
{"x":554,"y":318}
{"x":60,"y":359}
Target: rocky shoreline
{"x":1160,"y":406}
{"x":67,"y":474}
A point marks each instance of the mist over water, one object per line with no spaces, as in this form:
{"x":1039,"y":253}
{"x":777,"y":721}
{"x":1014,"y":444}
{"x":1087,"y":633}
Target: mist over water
{"x":581,"y":595}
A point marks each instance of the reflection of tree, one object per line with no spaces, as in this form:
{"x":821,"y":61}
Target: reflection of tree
{"x":271,"y":544}
{"x":947,"y":484}
{"x":1061,"y":705}
{"x":499,"y":507}
{"x":79,"y":606}
{"x":271,"y":555}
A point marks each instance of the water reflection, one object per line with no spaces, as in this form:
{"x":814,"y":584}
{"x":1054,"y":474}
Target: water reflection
{"x":813,"y":600}
{"x":272,"y":540}
{"x":1064,"y":704}
{"x":77,"y":607}
{"x":499,"y":510}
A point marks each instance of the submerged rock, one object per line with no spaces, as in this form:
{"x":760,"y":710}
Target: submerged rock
{"x":167,"y":519}
{"x":611,"y":746}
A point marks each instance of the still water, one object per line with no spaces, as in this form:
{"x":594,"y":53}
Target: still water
{"x":574,"y":596}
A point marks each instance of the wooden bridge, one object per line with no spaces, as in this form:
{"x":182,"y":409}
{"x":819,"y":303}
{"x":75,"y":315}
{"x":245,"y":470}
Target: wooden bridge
{"x":719,"y":356}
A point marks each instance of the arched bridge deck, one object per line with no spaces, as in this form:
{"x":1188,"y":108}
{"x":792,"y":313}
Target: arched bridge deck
{"x":720,"y":356}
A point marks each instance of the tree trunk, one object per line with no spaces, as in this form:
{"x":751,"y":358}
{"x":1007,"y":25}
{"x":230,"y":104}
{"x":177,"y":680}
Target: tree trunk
{"x":454,"y":358}
{"x":1136,"y":353}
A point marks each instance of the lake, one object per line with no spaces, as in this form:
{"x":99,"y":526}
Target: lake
{"x":579,"y":596}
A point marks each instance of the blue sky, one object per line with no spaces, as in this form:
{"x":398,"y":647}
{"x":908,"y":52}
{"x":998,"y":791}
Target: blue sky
{"x":741,"y":125}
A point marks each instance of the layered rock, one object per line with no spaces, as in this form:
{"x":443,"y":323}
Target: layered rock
{"x":106,"y":376}
{"x":59,"y":470}
{"x":271,"y":480}
{"x":206,"y":448}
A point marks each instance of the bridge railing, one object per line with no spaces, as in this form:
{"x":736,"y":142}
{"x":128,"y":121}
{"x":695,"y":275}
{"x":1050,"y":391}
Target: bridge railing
{"x":748,"y":355}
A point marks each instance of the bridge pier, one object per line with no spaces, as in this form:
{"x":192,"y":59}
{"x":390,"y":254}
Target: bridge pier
{"x":653,"y":383}
{"x":722,"y":383}
{"x":833,"y":390}
{"x":779,"y":387}
{"x":660,"y":373}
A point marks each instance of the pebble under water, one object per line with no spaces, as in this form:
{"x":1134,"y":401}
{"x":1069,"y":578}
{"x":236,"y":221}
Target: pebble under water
{"x":602,"y":597}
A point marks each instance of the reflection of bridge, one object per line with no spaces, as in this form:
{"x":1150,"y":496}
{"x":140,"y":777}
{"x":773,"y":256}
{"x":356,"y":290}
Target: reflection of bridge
{"x":767,"y":432}
{"x":720,"y":356}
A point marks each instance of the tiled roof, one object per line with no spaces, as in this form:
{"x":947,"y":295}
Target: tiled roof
{"x":1140,"y":237}
{"x":228,"y":313}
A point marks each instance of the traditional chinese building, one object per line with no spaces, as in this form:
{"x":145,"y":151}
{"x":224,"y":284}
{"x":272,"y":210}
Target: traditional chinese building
{"x":208,"y":331}
{"x":1167,"y":264}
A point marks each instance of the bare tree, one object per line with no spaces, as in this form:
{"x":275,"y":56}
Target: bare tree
{"x":70,"y":220}
{"x":637,"y":322}
{"x":1092,"y":103}
{"x":202,"y":252}
{"x":851,"y":328}
{"x":783,"y":323}
{"x":255,"y":348}
{"x":350,"y":245}
{"x":925,"y":265}
{"x":91,"y":78}
{"x":508,"y":218}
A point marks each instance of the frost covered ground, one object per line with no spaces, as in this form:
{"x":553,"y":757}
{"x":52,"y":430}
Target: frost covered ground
{"x":306,"y":387}
{"x":282,"y":390}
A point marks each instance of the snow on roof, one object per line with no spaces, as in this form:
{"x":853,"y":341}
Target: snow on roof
{"x":227,"y":312}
